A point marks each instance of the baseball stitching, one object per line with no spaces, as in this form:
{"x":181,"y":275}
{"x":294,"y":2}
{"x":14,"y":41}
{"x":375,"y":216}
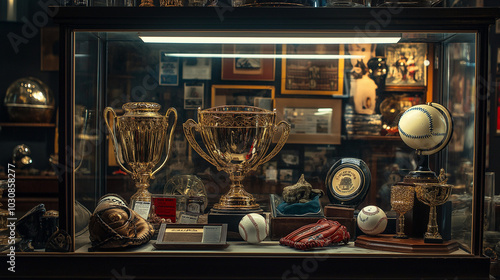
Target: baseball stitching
{"x":368,"y":231}
{"x":370,"y":213}
{"x":245,"y":231}
{"x":256,"y":227}
{"x":431,"y":127}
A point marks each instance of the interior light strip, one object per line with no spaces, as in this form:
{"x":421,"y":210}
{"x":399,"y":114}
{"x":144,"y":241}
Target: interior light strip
{"x":287,"y":56}
{"x":269,"y":40}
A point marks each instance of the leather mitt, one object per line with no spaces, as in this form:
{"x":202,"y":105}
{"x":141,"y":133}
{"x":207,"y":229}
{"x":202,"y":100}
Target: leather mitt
{"x":118,"y":226}
{"x":320,"y":234}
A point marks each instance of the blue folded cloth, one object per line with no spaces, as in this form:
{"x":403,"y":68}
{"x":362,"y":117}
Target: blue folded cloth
{"x":311,"y":207}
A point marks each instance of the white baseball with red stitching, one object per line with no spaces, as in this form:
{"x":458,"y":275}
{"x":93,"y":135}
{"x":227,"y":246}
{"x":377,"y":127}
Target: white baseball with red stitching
{"x":372,"y":220}
{"x":253,"y":228}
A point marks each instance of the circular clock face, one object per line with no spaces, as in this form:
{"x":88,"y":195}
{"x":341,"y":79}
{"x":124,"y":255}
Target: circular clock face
{"x":348,"y":181}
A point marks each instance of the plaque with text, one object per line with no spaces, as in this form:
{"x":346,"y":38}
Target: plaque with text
{"x":192,"y":236}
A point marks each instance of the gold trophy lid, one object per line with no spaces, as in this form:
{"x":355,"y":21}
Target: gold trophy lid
{"x":235,"y":109}
{"x":148,"y":109}
{"x":236,"y":116}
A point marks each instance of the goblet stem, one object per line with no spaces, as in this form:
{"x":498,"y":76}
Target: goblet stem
{"x":432,"y":227}
{"x":400,"y":233}
{"x":237,"y":198}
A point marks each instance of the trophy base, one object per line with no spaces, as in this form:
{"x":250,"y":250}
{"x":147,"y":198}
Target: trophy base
{"x":433,"y":238}
{"x":385,"y":242}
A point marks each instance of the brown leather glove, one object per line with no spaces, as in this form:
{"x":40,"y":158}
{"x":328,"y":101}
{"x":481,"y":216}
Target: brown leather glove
{"x":118,"y":226}
{"x":320,"y":234}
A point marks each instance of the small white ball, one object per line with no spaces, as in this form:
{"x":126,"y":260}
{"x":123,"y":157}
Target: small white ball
{"x":372,"y":220}
{"x":423,"y":127}
{"x":253,"y":228}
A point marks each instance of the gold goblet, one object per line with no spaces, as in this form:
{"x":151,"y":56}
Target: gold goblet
{"x":139,"y":137}
{"x":402,"y":198}
{"x":237,"y":139}
{"x":433,"y":194}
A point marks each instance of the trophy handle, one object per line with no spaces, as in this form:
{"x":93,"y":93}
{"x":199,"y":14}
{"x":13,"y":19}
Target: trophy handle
{"x":280,"y":144}
{"x":188,"y":131}
{"x":115,"y":141}
{"x":168,"y":145}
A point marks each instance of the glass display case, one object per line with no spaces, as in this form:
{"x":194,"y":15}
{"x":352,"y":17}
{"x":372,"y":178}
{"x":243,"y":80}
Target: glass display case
{"x":340,"y":77}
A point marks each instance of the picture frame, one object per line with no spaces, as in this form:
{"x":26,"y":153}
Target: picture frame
{"x":168,"y":70}
{"x":312,"y":121}
{"x":248,"y":69}
{"x":312,"y":76}
{"x":249,"y":95}
{"x":498,"y":61}
{"x":197,"y":68}
{"x":194,"y":95}
{"x":407,"y":66}
{"x":497,"y":89}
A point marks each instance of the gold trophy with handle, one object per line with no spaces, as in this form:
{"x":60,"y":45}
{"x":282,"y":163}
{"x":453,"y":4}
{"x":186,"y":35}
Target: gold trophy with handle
{"x":139,"y":137}
{"x":237,"y":139}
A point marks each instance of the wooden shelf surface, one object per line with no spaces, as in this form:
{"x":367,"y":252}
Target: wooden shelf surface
{"x":14,"y":124}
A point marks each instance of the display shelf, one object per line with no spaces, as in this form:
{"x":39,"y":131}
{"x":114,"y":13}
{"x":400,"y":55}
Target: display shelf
{"x":246,"y":261}
{"x":374,"y":138}
{"x":30,"y":177}
{"x":13,"y":124}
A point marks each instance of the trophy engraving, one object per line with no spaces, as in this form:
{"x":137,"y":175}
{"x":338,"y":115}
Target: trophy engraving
{"x":237,"y":139}
{"x":139,"y":137}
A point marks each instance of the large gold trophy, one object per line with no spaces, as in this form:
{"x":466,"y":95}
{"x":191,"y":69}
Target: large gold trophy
{"x":139,"y":137}
{"x":237,"y":139}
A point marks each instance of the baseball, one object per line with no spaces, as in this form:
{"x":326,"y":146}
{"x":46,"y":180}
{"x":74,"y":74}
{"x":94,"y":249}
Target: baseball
{"x":253,"y":228}
{"x":423,"y":127}
{"x":372,"y":220}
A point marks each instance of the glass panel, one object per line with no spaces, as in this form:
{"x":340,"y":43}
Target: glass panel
{"x":459,"y":98}
{"x":88,"y":159}
{"x":351,"y":97}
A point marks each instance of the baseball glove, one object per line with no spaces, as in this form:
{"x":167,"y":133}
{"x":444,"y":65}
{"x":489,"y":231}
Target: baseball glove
{"x":118,"y":226}
{"x":320,"y":234}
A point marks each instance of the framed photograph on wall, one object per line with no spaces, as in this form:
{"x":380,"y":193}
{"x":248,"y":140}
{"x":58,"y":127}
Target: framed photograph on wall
{"x":312,"y":76}
{"x":498,"y":61}
{"x":312,"y":121}
{"x":407,"y":66}
{"x":497,"y":89}
{"x":249,"y":95}
{"x":193,"y":95}
{"x":248,"y":68}
{"x":168,"y":70}
{"x":197,"y":68}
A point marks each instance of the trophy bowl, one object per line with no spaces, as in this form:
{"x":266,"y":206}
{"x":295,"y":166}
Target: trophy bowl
{"x":139,"y":137}
{"x":237,"y":139}
{"x":432,"y":194}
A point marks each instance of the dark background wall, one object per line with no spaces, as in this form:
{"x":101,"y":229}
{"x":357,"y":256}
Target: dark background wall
{"x":18,"y":60}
